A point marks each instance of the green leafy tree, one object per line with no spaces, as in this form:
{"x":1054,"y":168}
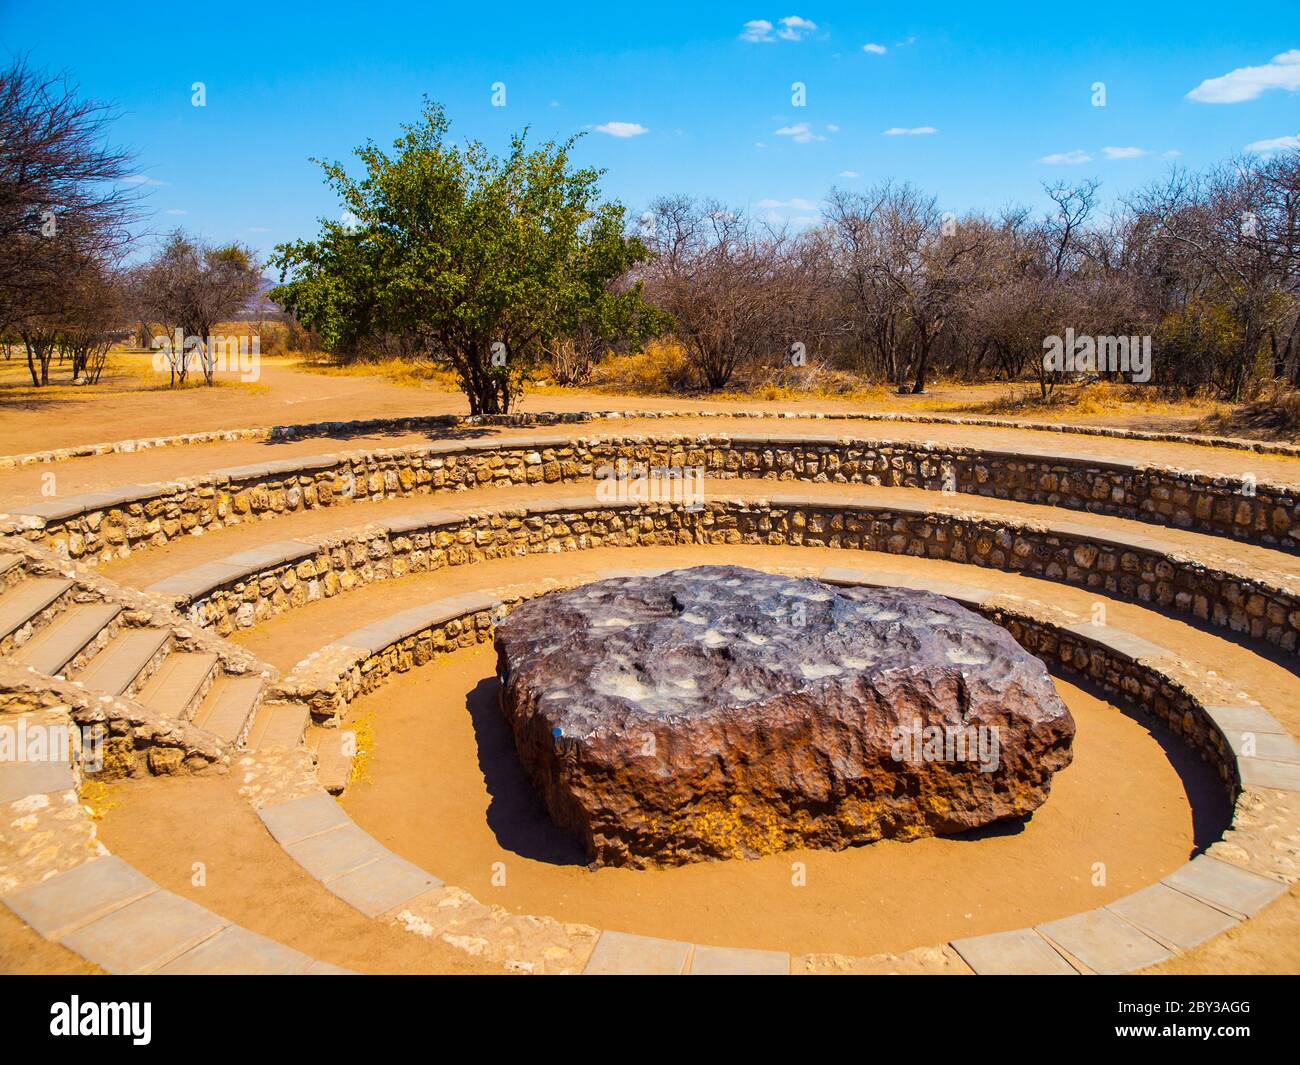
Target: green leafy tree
{"x":482,"y":260}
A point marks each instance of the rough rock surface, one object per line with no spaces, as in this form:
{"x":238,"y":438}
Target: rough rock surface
{"x":720,"y":712}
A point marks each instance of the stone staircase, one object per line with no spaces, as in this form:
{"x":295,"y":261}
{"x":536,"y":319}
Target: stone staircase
{"x":58,"y":626}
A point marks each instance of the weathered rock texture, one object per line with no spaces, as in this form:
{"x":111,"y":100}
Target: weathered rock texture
{"x":721,"y":712}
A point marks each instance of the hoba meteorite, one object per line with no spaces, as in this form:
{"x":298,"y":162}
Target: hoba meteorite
{"x":720,"y":712}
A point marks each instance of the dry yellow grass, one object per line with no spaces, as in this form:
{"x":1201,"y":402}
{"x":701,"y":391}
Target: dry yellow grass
{"x":407,"y":373}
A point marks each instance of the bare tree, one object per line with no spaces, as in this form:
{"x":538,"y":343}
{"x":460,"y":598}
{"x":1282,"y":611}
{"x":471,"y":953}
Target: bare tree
{"x":189,"y":287}
{"x":61,"y":190}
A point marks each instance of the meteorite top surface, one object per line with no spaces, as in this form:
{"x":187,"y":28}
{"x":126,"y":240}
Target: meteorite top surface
{"x":713,"y":640}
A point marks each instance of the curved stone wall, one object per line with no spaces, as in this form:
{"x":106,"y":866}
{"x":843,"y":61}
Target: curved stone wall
{"x":114,"y":523}
{"x":245,"y":589}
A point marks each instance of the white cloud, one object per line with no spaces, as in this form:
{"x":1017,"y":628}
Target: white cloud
{"x":622,"y":129}
{"x":1067,"y":158}
{"x":794,"y":28}
{"x":1246,"y":83}
{"x":798,"y":203}
{"x":1275,"y":144}
{"x":1173,"y":153}
{"x":831,"y":127}
{"x":800,"y":131}
{"x":848,"y":173}
{"x":175,"y":210}
{"x":874,"y":49}
{"x":258,"y":229}
{"x":141,"y":179}
{"x":914,"y":131}
{"x":1124,"y":153}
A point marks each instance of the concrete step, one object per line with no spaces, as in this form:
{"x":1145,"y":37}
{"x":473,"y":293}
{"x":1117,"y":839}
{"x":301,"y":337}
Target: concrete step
{"x":228,"y":706}
{"x":175,"y":689}
{"x":10,"y":568}
{"x":119,"y":665}
{"x":278,"y":725}
{"x":26,"y":599}
{"x":66,"y":637}
{"x":334,"y":749}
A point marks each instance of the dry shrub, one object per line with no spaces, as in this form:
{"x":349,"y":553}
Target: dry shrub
{"x":1274,"y":415}
{"x":662,"y":368}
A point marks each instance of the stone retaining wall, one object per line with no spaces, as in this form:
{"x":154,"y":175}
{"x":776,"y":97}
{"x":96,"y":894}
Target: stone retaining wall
{"x":322,"y":566}
{"x":114,"y":523}
{"x":331,"y":678}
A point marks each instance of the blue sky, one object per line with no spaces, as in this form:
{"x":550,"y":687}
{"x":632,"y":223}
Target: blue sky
{"x":1001,"y":89}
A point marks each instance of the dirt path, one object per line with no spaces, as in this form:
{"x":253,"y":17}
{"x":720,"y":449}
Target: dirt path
{"x":29,"y":484}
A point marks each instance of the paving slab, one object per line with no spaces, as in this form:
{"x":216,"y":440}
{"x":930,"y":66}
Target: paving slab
{"x":278,"y":725}
{"x":236,"y":951}
{"x":240,"y":473}
{"x":127,"y":493}
{"x":59,"y":642}
{"x":962,"y":593}
{"x":1105,"y":943}
{"x":197,"y":580}
{"x":426,"y":519}
{"x":289,"y":822}
{"x":1270,"y":746}
{"x":1244,"y":719}
{"x":1263,"y":773}
{"x":20,"y":779}
{"x":324,"y":968}
{"x":1227,"y":886}
{"x":338,"y":851}
{"x":144,"y":935}
{"x":1022,"y":952}
{"x":28,"y":598}
{"x":70,"y":899}
{"x":736,"y":961}
{"x":625,"y":954}
{"x":1171,"y":916}
{"x":383,"y":885}
{"x":1126,"y":643}
{"x":273,"y":554}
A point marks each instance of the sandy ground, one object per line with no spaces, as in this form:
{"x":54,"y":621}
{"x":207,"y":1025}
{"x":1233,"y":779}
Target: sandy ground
{"x":169,"y":828}
{"x":446,"y":791}
{"x":140,"y":403}
{"x":31,"y":484}
{"x":24,"y":953}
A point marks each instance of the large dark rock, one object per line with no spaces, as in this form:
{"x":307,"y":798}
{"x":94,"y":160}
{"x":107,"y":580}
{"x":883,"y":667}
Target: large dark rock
{"x":721,"y":712}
